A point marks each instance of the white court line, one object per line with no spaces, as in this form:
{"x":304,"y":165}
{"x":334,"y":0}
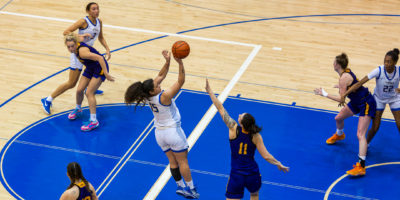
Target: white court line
{"x":123,"y":157}
{"x":123,"y":164}
{"x":99,"y":190}
{"x":132,"y":29}
{"x":198,"y":130}
{"x":12,"y":141}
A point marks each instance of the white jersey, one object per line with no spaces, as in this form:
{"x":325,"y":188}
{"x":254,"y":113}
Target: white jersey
{"x":92,"y":29}
{"x":385,"y":83}
{"x":165,"y":116}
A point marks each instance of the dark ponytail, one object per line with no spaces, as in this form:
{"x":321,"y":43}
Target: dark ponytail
{"x":138,"y":92}
{"x":342,"y":60}
{"x":90,"y":5}
{"x":249,"y":124}
{"x":74,"y":172}
{"x":394,"y":54}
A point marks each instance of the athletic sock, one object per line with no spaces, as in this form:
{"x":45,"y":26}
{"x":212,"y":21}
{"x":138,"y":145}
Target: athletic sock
{"x":361,"y":160}
{"x":180,"y":183}
{"x":190,"y":184}
{"x":93,"y":118}
{"x":339,"y":132}
{"x":49,"y":98}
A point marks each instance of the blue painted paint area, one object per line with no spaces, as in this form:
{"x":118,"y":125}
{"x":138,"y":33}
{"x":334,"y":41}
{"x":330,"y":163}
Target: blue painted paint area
{"x":294,"y":135}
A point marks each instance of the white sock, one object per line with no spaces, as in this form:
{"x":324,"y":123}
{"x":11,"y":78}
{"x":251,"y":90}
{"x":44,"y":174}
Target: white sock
{"x":339,"y":132}
{"x":49,"y":98}
{"x":180,"y":183}
{"x":93,"y":118}
{"x":190,"y":184}
{"x":78,"y":107}
{"x":363,"y":157}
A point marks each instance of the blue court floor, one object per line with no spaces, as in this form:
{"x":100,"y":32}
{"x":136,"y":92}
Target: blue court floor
{"x":122,"y":159}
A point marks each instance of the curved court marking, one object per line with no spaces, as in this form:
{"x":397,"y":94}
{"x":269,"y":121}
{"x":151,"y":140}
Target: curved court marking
{"x":254,"y":16}
{"x":16,"y":136}
{"x":328,"y":191}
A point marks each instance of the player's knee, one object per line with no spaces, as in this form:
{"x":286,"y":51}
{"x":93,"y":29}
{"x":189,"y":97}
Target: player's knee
{"x":70,"y":85}
{"x":338,"y":118}
{"x":360,"y":134}
{"x":80,"y":91}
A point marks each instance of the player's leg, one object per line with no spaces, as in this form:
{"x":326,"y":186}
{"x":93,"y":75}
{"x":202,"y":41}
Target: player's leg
{"x":176,"y":174}
{"x":346,"y":112}
{"x":84,"y":81}
{"x":253,"y":184}
{"x":395,"y":107}
{"x":376,"y":123}
{"x":93,"y":85}
{"x":367,"y":112}
{"x":72,"y":80}
{"x":179,"y":147}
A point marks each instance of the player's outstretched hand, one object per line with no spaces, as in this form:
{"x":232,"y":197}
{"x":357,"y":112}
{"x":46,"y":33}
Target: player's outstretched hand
{"x":167,"y":55}
{"x":283,"y":168}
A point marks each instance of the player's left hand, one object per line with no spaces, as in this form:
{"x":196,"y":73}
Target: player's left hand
{"x":397,"y":90}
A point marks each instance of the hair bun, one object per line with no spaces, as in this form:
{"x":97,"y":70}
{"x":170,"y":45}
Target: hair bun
{"x":396,"y":50}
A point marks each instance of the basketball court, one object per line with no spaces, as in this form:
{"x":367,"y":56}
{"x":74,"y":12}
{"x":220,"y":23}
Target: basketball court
{"x":263,"y":58}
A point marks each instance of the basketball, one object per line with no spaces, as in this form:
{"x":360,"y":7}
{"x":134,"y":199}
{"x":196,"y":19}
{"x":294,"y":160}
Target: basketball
{"x":180,"y":49}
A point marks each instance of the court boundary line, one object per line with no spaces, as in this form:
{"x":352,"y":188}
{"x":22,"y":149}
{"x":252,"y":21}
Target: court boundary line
{"x":133,"y":29}
{"x":202,"y":124}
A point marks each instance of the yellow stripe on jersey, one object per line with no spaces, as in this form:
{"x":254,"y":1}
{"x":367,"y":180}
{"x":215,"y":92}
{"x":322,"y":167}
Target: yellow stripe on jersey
{"x":366,"y":109}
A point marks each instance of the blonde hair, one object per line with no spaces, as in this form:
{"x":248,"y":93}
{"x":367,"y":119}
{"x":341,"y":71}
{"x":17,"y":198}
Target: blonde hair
{"x":71,"y":37}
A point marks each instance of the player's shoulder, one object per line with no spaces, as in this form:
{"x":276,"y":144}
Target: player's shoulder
{"x":72,"y":192}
